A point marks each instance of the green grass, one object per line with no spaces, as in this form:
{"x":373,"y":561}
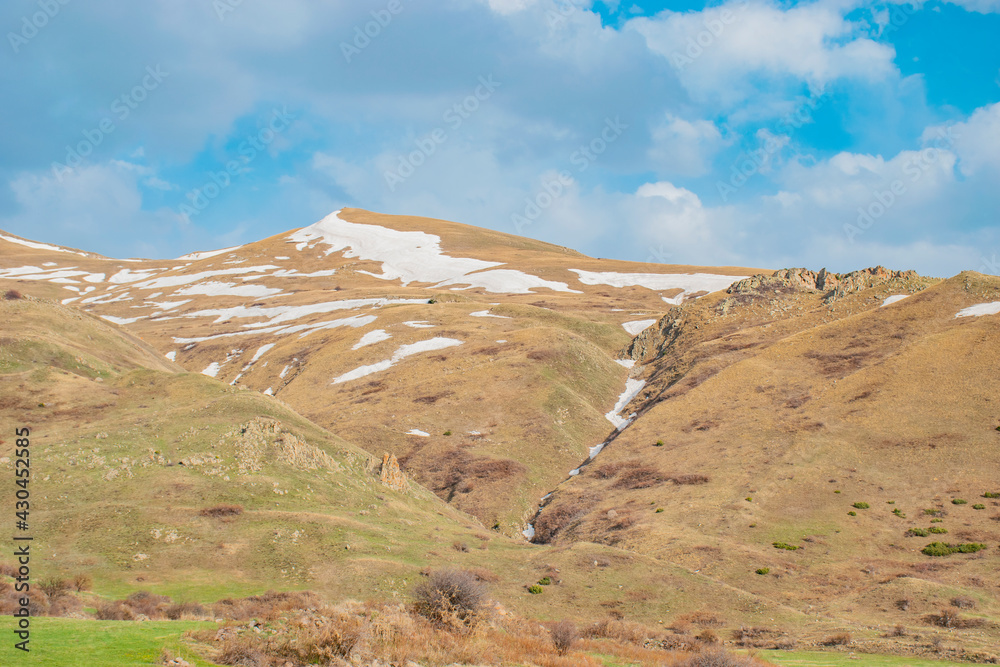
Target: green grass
{"x":819,"y":659}
{"x":64,"y":642}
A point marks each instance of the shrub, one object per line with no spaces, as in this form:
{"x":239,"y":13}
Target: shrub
{"x":54,"y":587}
{"x":937,"y":530}
{"x":65,"y":605}
{"x":449,"y":596}
{"x":898,"y":631}
{"x":708,"y":636}
{"x":717,"y":657}
{"x":82,"y":582}
{"x":659,"y":443}
{"x":837,"y":491}
{"x":933,"y":512}
{"x":241,"y":651}
{"x":958,"y":501}
{"x":898,"y":512}
{"x":458,"y":545}
{"x":12,"y":295}
{"x":115,"y":611}
{"x":763,"y":570}
{"x":783,"y":545}
{"x":942,"y":549}
{"x":222,"y":510}
{"x":852,"y":513}
{"x":337,"y":638}
{"x":839,"y":639}
{"x":979,"y":506}
{"x":447,"y":433}
{"x":903,"y":604}
{"x":948,"y":618}
{"x":963,"y":602}
{"x":544,"y":581}
{"x":564,"y":635}
{"x":8,"y":570}
{"x":916,"y":532}
{"x":990,"y":494}
{"x":658,"y":510}
{"x":175,"y":612}
{"x":860,"y":506}
{"x":535,"y":589}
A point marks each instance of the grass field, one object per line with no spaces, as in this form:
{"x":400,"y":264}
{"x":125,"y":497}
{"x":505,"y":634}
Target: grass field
{"x":65,"y":642}
{"x":819,"y":659}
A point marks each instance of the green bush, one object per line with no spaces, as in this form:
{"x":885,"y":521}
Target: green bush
{"x":658,"y":510}
{"x":958,"y":501}
{"x":936,"y":520}
{"x":748,"y":499}
{"x":447,"y":433}
{"x":860,"y":506}
{"x":544,"y":581}
{"x":783,"y":545}
{"x":937,"y":530}
{"x":837,"y":491}
{"x":989,"y":494}
{"x":659,"y":443}
{"x":535,"y":589}
{"x":979,"y":506}
{"x":932,"y":512}
{"x":763,"y":570}
{"x":852,"y":513}
{"x":942,"y":549}
{"x":916,"y":532}
{"x":898,"y":512}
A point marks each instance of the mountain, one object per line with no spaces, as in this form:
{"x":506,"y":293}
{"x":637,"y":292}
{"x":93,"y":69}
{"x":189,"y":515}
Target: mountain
{"x":774,"y":447}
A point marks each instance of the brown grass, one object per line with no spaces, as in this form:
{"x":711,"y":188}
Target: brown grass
{"x":222,"y":510}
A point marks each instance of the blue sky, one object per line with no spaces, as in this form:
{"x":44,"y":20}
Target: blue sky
{"x":838,"y":134}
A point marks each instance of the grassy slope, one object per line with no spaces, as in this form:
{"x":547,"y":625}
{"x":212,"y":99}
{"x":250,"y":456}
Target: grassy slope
{"x":884,"y":405}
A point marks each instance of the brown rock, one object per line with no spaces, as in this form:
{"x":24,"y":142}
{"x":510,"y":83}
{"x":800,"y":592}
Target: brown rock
{"x":391,"y":475}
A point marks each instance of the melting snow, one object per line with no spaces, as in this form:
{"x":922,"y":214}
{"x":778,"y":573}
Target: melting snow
{"x":284,"y":372}
{"x":172,"y":356}
{"x":632,"y":389}
{"x":370,"y":338}
{"x":212,"y":288}
{"x":120,"y":320}
{"x":400,"y":354}
{"x":893,"y":299}
{"x":269,"y":391}
{"x":279,"y":314}
{"x":486,"y":313}
{"x":207,"y":253}
{"x":627,"y":363}
{"x":420,"y":324}
{"x":40,"y":246}
{"x":129,"y":276}
{"x":261,"y":352}
{"x":529,"y":532}
{"x":355,"y":322}
{"x":688,"y":282}
{"x":980,"y":309}
{"x":414,"y":257}
{"x":212,"y":370}
{"x":637,"y":327}
{"x":415,"y":431}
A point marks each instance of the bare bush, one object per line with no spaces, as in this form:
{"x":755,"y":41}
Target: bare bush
{"x":181,"y":610}
{"x":222,"y":510}
{"x":242,"y":653}
{"x":450,"y":596}
{"x":564,"y":636}
{"x":54,"y":587}
{"x":839,"y":639}
{"x":717,"y":657}
{"x":963,"y":602}
{"x":114,"y":611}
{"x":12,"y":295}
{"x":82,"y":582}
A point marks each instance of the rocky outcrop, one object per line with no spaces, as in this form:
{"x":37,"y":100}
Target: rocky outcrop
{"x":650,"y":341}
{"x":391,"y":475}
{"x":262,"y":440}
{"x":836,"y":285}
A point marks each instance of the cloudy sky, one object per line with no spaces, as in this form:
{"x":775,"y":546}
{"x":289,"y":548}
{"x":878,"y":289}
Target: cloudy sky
{"x":836,"y":133}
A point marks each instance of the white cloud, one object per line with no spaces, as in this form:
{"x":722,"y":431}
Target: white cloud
{"x":684,"y":147}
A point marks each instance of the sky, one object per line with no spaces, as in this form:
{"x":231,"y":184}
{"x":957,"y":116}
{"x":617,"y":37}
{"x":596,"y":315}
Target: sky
{"x":835,"y":133}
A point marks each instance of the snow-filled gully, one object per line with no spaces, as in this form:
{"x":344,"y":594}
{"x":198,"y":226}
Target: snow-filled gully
{"x":632,"y":389}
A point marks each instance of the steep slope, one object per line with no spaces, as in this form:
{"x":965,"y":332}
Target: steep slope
{"x":394,"y":331}
{"x":771,"y":410}
{"x":135,"y":464}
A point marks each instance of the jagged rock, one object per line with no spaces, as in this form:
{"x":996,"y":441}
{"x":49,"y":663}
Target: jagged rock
{"x":391,"y":475}
{"x":650,"y":341}
{"x":837,"y":285}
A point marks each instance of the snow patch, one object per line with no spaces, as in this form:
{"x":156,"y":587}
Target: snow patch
{"x":372,"y":337}
{"x":486,"y":313}
{"x":980,"y":309}
{"x":400,"y":354}
{"x":212,"y":370}
{"x":416,"y":431}
{"x":637,"y":327}
{"x":261,"y":352}
{"x":632,"y":389}
{"x":207,"y":253}
{"x":627,"y":363}
{"x":893,"y":299}
{"x":213,"y":288}
{"x":688,"y":282}
{"x":121,"y":320}
{"x":420,"y":324}
{"x":172,"y":356}
{"x":40,"y":246}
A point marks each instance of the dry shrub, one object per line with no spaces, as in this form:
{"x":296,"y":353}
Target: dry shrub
{"x":556,"y":518}
{"x":450,"y":597}
{"x":641,"y":477}
{"x":898,"y":631}
{"x":619,"y":630}
{"x":222,"y":510}
{"x":337,"y":638}
{"x":114,"y":611}
{"x":267,"y":606}
{"x":689,"y":479}
{"x":8,"y":570}
{"x":703,"y":618}
{"x":82,"y":582}
{"x":242,"y":652}
{"x":148,"y":604}
{"x":175,"y":612}
{"x":839,"y":639}
{"x":483,"y":575}
{"x":708,"y":636}
{"x":54,"y":587}
{"x":12,"y":295}
{"x":65,"y":605}
{"x":458,"y":545}
{"x":903,"y":604}
{"x":564,"y":635}
{"x":963,"y":602}
{"x":949,"y":618}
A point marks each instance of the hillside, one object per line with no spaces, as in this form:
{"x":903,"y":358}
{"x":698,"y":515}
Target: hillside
{"x":666,"y":441}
